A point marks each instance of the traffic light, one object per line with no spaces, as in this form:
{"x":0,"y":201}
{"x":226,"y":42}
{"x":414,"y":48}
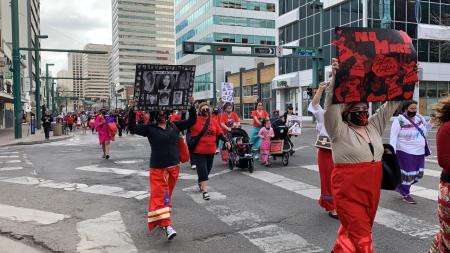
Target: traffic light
{"x":221,"y":49}
{"x":309,"y":91}
{"x":188,"y":47}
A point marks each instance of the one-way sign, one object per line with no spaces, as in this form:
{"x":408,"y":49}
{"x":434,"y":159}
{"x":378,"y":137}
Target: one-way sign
{"x":264,"y":50}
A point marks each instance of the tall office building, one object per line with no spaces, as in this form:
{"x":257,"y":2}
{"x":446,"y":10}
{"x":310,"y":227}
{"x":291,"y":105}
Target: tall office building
{"x":143,"y":32}
{"x":64,"y":84}
{"x":96,"y":72}
{"x":298,"y":26}
{"x":33,"y":29}
{"x":249,"y":22}
{"x":76,"y":71}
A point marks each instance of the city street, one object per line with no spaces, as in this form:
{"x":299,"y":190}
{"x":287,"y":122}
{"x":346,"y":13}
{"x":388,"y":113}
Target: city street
{"x":63,"y":197}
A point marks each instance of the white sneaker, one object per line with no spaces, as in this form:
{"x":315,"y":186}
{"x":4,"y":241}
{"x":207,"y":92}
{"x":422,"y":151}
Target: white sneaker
{"x":194,"y":167}
{"x":170,"y":232}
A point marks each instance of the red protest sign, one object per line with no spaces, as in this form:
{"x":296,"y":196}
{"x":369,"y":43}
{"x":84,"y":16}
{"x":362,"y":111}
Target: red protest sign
{"x":374,"y":65}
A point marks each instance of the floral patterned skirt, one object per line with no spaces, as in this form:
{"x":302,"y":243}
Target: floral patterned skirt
{"x":441,"y":243}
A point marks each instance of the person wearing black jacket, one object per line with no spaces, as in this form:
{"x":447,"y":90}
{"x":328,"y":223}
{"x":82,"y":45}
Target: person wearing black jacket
{"x":163,"y":137}
{"x":47,"y":120}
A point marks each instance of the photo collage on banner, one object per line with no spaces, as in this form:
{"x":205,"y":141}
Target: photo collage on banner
{"x":163,"y":87}
{"x":375,"y":65}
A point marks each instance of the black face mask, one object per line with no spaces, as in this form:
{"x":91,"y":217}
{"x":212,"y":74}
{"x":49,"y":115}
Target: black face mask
{"x":411,"y":114}
{"x":204,"y":112}
{"x":359,"y":118}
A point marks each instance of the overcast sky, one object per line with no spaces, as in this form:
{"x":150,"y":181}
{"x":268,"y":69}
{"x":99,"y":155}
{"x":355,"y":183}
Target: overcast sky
{"x":71,"y":24}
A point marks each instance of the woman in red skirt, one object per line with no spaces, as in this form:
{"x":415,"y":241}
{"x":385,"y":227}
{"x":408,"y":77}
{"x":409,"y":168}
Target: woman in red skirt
{"x":358,"y":148}
{"x":163,"y":137}
{"x":324,"y":154}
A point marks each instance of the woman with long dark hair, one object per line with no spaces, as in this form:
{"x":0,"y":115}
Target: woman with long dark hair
{"x":409,"y":138}
{"x":358,"y":148}
{"x":258,"y":115}
{"x":209,"y":129}
{"x":163,"y":137}
{"x":442,"y":119}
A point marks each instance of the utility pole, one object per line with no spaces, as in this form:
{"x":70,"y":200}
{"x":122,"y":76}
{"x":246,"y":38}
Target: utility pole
{"x":318,"y":64}
{"x":53,"y":97}
{"x":37,"y":79}
{"x":16,"y":69}
{"x":47,"y":88}
{"x":214,"y":81}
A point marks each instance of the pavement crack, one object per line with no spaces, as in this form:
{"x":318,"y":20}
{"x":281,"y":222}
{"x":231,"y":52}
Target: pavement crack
{"x":31,"y":240}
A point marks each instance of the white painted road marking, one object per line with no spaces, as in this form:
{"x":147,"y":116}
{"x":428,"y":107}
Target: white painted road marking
{"x":11,"y":161}
{"x":431,"y":161}
{"x":389,"y":218}
{"x":117,"y":171}
{"x":8,"y":152}
{"x":10,"y":168}
{"x":129,"y":161}
{"x":21,"y":214}
{"x":9,"y":156}
{"x":105,"y":234}
{"x":94,"y":189}
{"x":301,"y":147}
{"x":269,"y":238}
{"x":415,"y":190}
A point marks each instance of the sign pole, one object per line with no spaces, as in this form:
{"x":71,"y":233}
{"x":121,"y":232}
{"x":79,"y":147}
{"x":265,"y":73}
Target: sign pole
{"x":214,"y":81}
{"x":16,"y":69}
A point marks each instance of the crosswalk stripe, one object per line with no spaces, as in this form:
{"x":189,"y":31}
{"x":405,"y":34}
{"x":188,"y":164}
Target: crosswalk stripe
{"x":21,"y":214}
{"x":415,"y":190}
{"x":269,"y":238}
{"x":113,"y":191}
{"x":104,"y":234}
{"x":431,"y":161}
{"x":10,"y":161}
{"x":9,"y":156}
{"x":10,"y":168}
{"x":117,"y":171}
{"x":389,"y":218}
{"x":8,"y":152}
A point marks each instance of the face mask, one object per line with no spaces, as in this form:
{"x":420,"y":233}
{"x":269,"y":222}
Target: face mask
{"x":411,"y":114}
{"x":205,"y":112}
{"x":359,"y":118}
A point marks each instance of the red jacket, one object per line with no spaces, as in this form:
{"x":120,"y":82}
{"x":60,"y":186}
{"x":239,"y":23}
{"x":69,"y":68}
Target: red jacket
{"x":207,"y":144}
{"x":443,"y":147}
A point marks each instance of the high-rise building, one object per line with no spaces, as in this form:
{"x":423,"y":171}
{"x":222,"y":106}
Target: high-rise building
{"x":76,"y":72}
{"x":96,"y":72}
{"x":248,"y":22}
{"x":143,"y":32}
{"x":298,"y":25}
{"x":64,"y":84}
{"x":33,"y":20}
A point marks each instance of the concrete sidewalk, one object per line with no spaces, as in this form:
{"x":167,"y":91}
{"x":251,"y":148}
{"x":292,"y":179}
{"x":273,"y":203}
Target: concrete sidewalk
{"x":7,"y":137}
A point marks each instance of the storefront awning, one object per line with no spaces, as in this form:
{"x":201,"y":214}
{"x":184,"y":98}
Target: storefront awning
{"x":286,"y":81}
{"x":6,"y":97}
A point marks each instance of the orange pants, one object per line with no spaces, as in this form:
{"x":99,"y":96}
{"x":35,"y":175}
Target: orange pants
{"x":356,"y":193}
{"x":162,"y":183}
{"x":326,"y":166}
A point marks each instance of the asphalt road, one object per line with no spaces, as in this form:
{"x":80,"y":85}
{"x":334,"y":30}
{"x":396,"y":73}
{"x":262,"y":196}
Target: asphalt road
{"x":62,"y":197}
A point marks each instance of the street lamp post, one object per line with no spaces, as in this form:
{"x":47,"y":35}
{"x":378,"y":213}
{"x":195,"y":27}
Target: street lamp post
{"x":318,"y":64}
{"x":37,"y":80}
{"x":47,"y":88}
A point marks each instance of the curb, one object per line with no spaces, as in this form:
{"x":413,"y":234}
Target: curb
{"x":24,"y":143}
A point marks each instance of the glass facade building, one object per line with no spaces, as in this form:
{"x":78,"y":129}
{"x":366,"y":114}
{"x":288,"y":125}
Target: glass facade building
{"x":433,"y":51}
{"x":229,"y":21}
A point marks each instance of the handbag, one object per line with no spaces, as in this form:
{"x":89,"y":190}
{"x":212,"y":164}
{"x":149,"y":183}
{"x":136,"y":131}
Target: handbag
{"x":427,"y":149}
{"x":192,"y":141}
{"x":323,"y":142}
{"x":183,"y":149}
{"x":392,"y":176}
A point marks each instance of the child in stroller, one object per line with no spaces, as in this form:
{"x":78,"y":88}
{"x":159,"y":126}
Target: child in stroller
{"x":241,"y":152}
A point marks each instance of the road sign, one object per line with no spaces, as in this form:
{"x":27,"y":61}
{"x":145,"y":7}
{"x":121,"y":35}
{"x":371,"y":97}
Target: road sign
{"x":188,"y":47}
{"x":264,"y":50}
{"x":306,"y":52}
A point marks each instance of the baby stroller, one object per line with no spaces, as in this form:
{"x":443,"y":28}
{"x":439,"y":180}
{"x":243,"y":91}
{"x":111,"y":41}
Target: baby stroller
{"x":240,"y":154}
{"x":280,"y":146}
